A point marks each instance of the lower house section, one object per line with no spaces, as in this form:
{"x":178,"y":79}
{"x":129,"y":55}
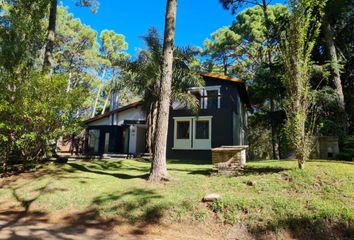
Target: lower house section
{"x":193,"y":136}
{"x":104,"y":139}
{"x":124,"y":139}
{"x":120,"y":131}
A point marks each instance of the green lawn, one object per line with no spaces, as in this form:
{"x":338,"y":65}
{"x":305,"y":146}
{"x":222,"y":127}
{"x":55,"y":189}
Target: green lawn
{"x":282,"y":195}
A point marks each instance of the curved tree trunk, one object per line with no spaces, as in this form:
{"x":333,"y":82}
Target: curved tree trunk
{"x":275,"y":145}
{"x":301,"y":163}
{"x":225,"y":65}
{"x":332,"y":52}
{"x":98,"y":93}
{"x":149,"y":130}
{"x":5,"y":160}
{"x":96,"y":101}
{"x":158,"y":170}
{"x":68,"y":86}
{"x":107,"y":100}
{"x":48,"y":53}
{"x":151,"y":127}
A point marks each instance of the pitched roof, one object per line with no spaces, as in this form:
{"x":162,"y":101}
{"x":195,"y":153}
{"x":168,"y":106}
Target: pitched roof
{"x":221,"y":77}
{"x":243,"y":88}
{"x":121,"y":109}
{"x":242,"y":84}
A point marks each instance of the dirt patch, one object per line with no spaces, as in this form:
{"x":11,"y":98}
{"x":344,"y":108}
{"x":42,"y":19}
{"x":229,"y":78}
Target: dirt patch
{"x":15,"y":223}
{"x":168,"y":230}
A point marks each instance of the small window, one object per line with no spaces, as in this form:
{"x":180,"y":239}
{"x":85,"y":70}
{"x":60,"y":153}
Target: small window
{"x":183,"y":129}
{"x":202,"y":129}
{"x":209,"y":97}
{"x":213,"y":98}
{"x":196,"y":94}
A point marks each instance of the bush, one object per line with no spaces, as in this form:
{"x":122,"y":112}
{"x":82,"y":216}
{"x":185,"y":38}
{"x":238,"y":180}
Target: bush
{"x":347,"y":149}
{"x":35,"y":115}
{"x":61,"y":160}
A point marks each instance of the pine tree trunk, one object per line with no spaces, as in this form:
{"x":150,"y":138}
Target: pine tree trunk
{"x":158,"y":165}
{"x":48,"y":54}
{"x":149,"y":130}
{"x":4,"y":163}
{"x":68,"y":87}
{"x":331,"y":49}
{"x":266,"y":22}
{"x":98,"y":93}
{"x":154,"y":124}
{"x":301,"y":164}
{"x":96,"y":101}
{"x":106,"y":101}
{"x":225,"y":65}
{"x":275,"y":145}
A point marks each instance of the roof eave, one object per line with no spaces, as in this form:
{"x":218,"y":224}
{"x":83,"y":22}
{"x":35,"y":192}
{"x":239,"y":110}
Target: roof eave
{"x":127,"y":107}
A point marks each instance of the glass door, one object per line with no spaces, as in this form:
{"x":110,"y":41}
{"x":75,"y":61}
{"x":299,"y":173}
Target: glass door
{"x":106,"y":142}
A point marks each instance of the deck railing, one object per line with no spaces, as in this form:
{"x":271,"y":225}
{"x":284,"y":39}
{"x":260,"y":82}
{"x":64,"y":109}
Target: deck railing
{"x":211,"y":102}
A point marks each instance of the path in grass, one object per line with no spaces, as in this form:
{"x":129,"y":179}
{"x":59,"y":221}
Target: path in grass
{"x":113,"y":197}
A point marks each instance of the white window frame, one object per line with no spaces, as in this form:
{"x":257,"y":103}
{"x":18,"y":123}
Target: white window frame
{"x":192,"y":143}
{"x":202,"y":144}
{"x":204,"y":96}
{"x":182,"y":143}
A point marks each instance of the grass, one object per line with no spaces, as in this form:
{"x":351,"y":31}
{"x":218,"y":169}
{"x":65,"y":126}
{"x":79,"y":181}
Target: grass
{"x":281,"y":196}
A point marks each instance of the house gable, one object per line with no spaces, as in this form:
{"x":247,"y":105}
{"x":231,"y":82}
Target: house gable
{"x":100,"y":122}
{"x":222,"y":113}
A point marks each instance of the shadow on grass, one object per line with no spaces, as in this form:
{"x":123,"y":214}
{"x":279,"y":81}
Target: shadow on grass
{"x":331,"y":161}
{"x":26,"y":203}
{"x":43,"y":172}
{"x":254,"y":170}
{"x":134,"y":205}
{"x":80,"y":167}
{"x":139,"y":208}
{"x":205,"y":172}
{"x":197,"y":169}
{"x":308,"y":229}
{"x":87,"y":224}
{"x":189,"y":161}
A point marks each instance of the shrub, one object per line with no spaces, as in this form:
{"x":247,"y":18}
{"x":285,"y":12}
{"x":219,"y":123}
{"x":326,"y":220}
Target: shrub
{"x":347,"y":149}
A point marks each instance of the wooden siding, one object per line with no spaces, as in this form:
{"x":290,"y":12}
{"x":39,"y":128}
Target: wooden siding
{"x":227,"y":121}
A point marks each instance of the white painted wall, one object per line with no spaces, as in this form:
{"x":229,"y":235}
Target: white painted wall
{"x":129,"y":114}
{"x":103,"y":121}
{"x":132,"y":139}
{"x":136,"y":132}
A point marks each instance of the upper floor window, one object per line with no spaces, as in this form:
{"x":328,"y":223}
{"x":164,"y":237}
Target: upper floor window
{"x":209,"y":96}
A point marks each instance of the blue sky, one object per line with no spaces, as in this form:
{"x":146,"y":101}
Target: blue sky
{"x":196,"y":19}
